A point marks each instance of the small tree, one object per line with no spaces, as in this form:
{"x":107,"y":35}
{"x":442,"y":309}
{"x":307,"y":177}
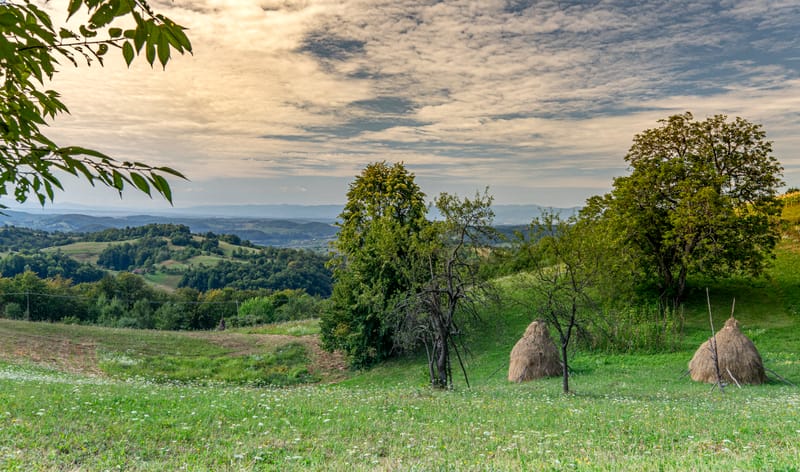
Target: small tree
{"x":568,"y":261}
{"x":445,"y":270}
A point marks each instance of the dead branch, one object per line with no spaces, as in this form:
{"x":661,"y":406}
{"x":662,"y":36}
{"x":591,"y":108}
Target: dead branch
{"x":779,"y":377}
{"x":734,"y":378}
{"x":713,"y":345}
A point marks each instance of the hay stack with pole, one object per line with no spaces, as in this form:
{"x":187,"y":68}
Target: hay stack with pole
{"x":535,"y":355}
{"x":739,"y":360}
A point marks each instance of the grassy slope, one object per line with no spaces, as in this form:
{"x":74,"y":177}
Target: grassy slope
{"x":632,"y":412}
{"x":84,"y":251}
{"x":185,"y":356}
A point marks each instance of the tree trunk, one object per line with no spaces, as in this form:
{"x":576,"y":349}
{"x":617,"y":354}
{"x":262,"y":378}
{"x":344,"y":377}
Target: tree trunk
{"x":680,"y":286}
{"x":564,"y":367}
{"x":442,"y":364}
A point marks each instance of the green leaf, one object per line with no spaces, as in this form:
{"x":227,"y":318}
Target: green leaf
{"x":102,"y":49}
{"x":86,"y":32}
{"x":117,"y":179}
{"x":81,"y":167}
{"x":77,"y":151}
{"x":171,"y":171}
{"x":140,"y":182}
{"x":127,"y":52}
{"x":123,"y":8}
{"x":183,"y":40}
{"x":150,"y":52}
{"x":8,"y":19}
{"x":103,"y":16}
{"x":115,"y":32}
{"x":163,"y":50}
{"x":64,"y":33}
{"x":43,"y":17}
{"x":73,"y":7}
{"x":161,"y":184}
{"x":140,"y":37}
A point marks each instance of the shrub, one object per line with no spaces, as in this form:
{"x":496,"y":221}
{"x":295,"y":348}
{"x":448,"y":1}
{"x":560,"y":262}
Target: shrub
{"x":14,"y":311}
{"x":300,"y":306}
{"x":253,"y":311}
{"x":642,"y":328}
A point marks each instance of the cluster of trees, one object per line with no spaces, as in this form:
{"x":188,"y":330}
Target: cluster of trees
{"x":269,"y":268}
{"x":701,"y":199}
{"x":146,"y":246}
{"x":143,"y":252}
{"x":13,"y":239}
{"x":157,"y":243}
{"x":154,"y":230}
{"x":127,"y":301}
{"x":49,"y":265}
{"x":400,"y":279}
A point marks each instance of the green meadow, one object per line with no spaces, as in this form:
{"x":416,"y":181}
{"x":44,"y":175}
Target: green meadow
{"x":268,"y":398}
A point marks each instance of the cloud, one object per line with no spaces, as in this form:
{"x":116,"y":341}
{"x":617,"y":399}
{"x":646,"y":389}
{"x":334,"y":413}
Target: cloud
{"x":514,"y":94}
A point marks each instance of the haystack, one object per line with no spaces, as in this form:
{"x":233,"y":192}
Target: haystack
{"x":535,"y":355}
{"x":737,"y":354}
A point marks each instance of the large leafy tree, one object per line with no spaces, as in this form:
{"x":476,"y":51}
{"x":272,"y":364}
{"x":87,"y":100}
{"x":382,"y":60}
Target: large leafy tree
{"x":31,"y":46}
{"x":701,"y":198}
{"x":385,"y":211}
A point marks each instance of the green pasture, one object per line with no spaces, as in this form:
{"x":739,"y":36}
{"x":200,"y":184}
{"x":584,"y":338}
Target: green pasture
{"x":84,"y":251}
{"x":634,"y":411}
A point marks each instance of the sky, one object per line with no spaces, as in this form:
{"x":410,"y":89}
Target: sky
{"x":286,"y":101}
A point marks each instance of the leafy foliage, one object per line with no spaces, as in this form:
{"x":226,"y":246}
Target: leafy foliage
{"x":385,"y":210}
{"x":144,"y":231}
{"x":30,"y":48}
{"x":50,"y":265}
{"x":125,"y":300}
{"x":701,"y":198}
{"x":15,"y":239}
{"x":285,"y":305}
{"x":270,"y":268}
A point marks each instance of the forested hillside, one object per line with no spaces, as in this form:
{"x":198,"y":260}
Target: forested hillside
{"x":166,"y":254}
{"x":155,"y":276}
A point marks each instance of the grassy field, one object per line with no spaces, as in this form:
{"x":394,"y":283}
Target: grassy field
{"x":627,"y":412}
{"x":84,"y":251}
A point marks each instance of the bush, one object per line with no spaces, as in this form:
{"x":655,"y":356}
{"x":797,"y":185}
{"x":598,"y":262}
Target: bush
{"x":254,"y":311}
{"x":301,"y":306}
{"x":172,"y":316}
{"x":644,"y":328}
{"x":14,"y":311}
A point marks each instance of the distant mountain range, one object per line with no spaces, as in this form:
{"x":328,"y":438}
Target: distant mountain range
{"x":260,"y":231}
{"x":265,"y":225}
